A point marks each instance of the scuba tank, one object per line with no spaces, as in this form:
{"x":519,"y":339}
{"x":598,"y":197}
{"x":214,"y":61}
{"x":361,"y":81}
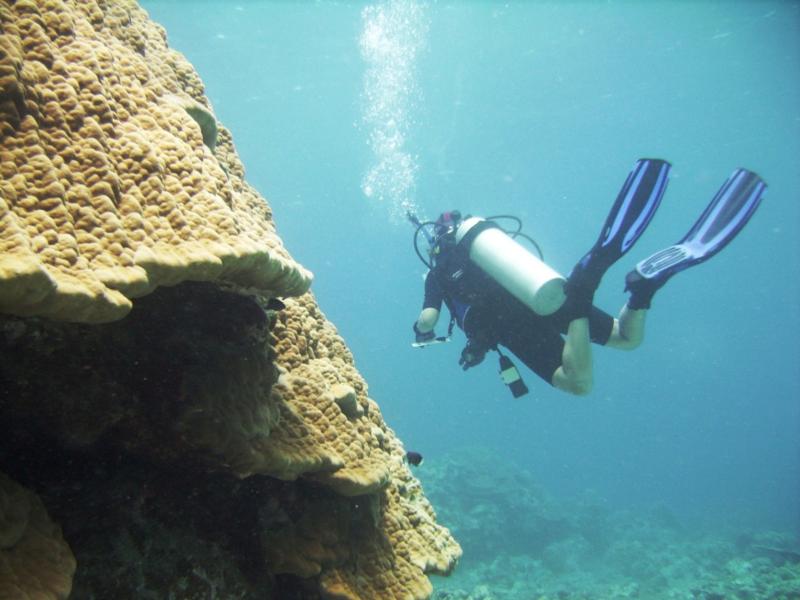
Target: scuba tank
{"x":530,"y":280}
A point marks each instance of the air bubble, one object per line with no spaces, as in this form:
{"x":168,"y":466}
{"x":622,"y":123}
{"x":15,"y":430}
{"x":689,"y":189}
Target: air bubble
{"x":394,"y":33}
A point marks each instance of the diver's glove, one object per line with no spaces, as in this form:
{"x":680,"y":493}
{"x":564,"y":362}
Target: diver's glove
{"x":472,"y":354}
{"x":421,"y":338}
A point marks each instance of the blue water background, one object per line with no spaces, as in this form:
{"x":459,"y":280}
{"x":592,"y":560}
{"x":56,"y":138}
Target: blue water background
{"x":539,"y":110}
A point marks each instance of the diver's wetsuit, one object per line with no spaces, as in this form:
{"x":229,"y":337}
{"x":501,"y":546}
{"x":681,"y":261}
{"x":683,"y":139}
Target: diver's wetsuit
{"x":490,"y":315}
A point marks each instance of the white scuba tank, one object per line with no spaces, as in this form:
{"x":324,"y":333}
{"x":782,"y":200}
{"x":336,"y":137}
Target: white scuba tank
{"x":510,"y":264}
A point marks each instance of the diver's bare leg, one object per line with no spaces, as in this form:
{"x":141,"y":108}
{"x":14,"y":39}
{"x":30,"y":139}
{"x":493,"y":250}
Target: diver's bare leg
{"x":575,"y":373}
{"x":628,"y":332}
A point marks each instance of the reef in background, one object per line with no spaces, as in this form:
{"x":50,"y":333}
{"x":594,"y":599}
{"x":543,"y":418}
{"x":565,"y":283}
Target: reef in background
{"x":521,"y":542}
{"x":191,"y":436}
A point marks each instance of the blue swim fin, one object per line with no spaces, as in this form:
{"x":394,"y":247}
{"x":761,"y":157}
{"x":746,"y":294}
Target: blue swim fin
{"x":632,"y":211}
{"x":634,"y":207}
{"x":726,"y":215}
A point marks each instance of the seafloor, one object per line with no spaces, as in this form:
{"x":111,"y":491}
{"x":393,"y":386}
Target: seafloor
{"x":521,"y":543}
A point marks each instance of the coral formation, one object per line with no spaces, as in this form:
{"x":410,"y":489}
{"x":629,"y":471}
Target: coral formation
{"x":110,"y":182}
{"x":222,"y":446}
{"x":35,"y":562}
{"x":234,"y":391}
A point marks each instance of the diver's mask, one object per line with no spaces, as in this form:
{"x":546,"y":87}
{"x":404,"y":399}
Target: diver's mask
{"x":444,"y":230}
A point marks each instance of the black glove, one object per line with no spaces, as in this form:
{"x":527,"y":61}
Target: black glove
{"x":472,"y":354}
{"x":421,"y":338}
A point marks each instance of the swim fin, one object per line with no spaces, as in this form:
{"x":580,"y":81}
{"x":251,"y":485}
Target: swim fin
{"x":726,"y":215}
{"x":632,"y":211}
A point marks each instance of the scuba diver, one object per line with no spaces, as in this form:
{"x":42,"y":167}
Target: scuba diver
{"x":501,"y":295}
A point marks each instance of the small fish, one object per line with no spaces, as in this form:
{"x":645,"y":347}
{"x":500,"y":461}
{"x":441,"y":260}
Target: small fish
{"x":414,"y":458}
{"x":275,"y":304}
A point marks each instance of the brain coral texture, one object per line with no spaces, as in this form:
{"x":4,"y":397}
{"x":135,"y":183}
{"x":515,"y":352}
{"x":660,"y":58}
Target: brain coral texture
{"x":107,"y":189}
{"x":115,"y":179}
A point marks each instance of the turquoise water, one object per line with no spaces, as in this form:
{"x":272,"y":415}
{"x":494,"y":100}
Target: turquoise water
{"x":346,"y":113}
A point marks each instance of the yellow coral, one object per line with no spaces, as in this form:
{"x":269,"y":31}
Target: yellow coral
{"x":35,"y":561}
{"x":115,"y":179}
{"x":317,"y":423}
{"x":392,"y":566}
{"x":109,"y":184}
{"x":320,"y":377}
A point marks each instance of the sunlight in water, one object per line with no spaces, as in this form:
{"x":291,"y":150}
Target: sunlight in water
{"x":393,"y":34}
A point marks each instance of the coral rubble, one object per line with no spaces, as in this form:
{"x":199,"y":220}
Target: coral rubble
{"x":192,"y":439}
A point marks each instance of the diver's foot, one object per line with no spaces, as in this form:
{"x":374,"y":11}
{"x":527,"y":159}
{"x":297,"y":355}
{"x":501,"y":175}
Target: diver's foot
{"x":589,"y":270}
{"x":581,"y":285}
{"x":643,"y":289}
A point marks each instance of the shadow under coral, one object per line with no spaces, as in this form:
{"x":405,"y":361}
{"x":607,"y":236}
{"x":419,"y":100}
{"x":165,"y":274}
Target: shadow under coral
{"x":87,"y":420}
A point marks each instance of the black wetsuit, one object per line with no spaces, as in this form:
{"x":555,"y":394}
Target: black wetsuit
{"x":490,"y":315}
